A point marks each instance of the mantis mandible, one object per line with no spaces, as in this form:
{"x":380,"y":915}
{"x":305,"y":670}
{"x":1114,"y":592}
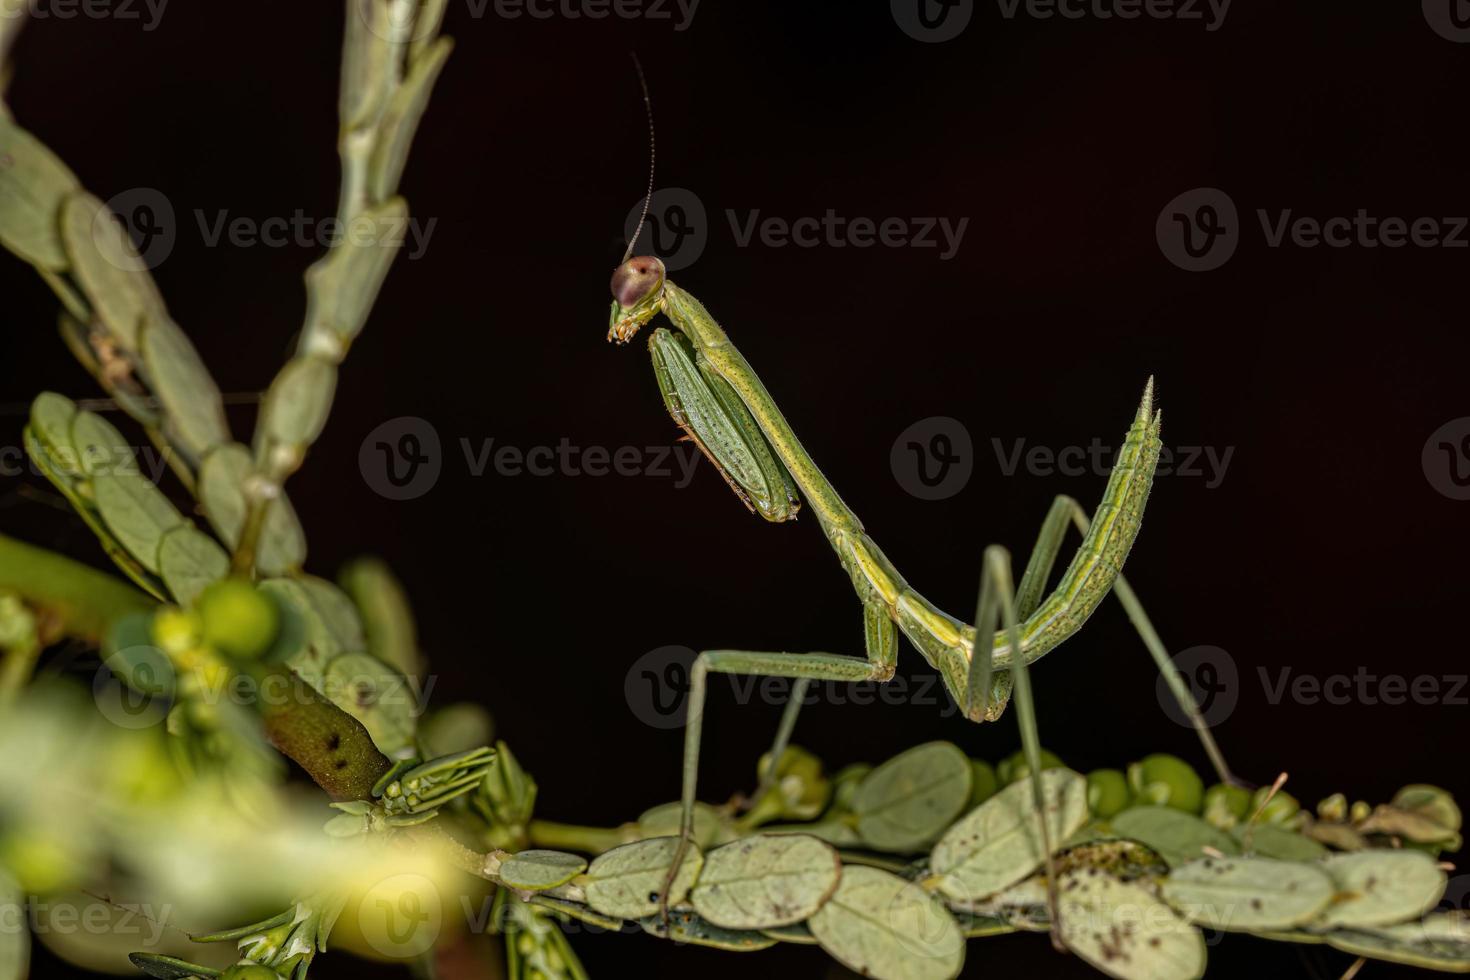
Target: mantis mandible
{"x":719,"y":401}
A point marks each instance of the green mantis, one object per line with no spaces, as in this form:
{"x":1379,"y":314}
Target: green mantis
{"x":714,"y":394}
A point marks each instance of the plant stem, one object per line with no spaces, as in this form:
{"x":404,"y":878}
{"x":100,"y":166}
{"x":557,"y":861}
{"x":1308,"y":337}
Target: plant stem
{"x":75,"y":600}
{"x":571,"y":837}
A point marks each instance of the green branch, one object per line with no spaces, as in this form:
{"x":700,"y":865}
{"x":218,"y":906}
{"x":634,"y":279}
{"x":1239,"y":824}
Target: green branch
{"x":75,"y":600}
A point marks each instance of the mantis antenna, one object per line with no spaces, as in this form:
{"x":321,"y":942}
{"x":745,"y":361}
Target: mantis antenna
{"x":652,"y":148}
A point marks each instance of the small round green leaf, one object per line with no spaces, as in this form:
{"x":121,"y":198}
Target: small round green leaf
{"x":626,"y":881}
{"x":537,"y":870}
{"x":688,"y":927}
{"x":109,"y":269}
{"x":766,"y":881}
{"x":908,"y":801}
{"x":222,"y":477}
{"x":342,"y":287}
{"x":665,"y":820}
{"x":376,"y":695}
{"x":51,"y":421}
{"x":1439,"y":942}
{"x":33,"y":184}
{"x":1248,"y":893}
{"x":194,"y":417}
{"x":1124,"y":931}
{"x":999,"y":842}
{"x":337,"y":612}
{"x":296,"y":406}
{"x":100,"y":447}
{"x":401,"y":119}
{"x":136,"y":513}
{"x":1269,"y":840}
{"x":880,"y":925}
{"x":1179,"y":837}
{"x":1382,"y":887}
{"x":799,"y":933}
{"x":189,"y":561}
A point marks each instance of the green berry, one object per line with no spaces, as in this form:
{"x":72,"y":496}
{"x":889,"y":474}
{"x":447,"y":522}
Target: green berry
{"x":1283,"y":806}
{"x":984,"y":784}
{"x":1013,"y":768}
{"x":177,"y":631}
{"x":1167,"y":780}
{"x":1107,"y":793}
{"x":1334,"y":809}
{"x":1226,"y":806}
{"x":238,"y":619}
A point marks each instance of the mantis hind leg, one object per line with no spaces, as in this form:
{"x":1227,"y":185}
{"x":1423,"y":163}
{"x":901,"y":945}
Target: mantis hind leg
{"x":1066,"y":512}
{"x":998,"y":606}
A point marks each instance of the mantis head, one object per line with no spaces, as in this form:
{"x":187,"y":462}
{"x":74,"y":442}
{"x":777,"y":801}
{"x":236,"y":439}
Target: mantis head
{"x":638,"y":292}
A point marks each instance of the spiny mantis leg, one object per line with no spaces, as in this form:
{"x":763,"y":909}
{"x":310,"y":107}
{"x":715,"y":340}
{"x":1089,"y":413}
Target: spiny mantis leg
{"x":1146,"y":632}
{"x":1066,"y":511}
{"x":797,"y":666}
{"x":997,"y":606}
{"x":882,"y":647}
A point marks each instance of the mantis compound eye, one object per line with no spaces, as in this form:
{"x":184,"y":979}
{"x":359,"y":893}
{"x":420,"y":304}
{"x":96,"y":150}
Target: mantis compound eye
{"x":637,"y":288}
{"x":635,"y":279}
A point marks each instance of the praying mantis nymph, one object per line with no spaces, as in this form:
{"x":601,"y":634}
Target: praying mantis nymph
{"x":716,"y":397}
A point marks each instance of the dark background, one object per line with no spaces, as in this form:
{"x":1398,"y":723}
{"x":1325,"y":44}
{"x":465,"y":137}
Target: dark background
{"x":1326,"y":547}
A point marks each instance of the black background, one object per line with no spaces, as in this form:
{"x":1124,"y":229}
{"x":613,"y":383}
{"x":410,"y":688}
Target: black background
{"x":1325,"y":548}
